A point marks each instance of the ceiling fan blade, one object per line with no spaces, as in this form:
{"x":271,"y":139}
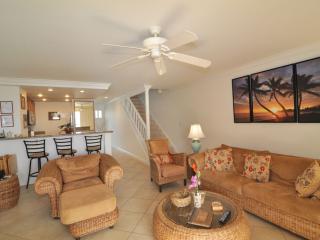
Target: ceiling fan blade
{"x":181,"y":39}
{"x":200,"y":62}
{"x":160,"y":66}
{"x":129,"y":60}
{"x":123,"y":46}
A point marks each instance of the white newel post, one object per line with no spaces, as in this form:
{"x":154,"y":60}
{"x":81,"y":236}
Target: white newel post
{"x":146,"y":94}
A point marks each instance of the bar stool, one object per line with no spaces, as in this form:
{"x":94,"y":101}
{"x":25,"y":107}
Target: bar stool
{"x":64,"y":146}
{"x":35,"y":150}
{"x":93,"y":143}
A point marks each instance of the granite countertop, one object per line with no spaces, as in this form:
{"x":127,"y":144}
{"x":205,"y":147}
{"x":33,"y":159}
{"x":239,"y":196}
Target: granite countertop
{"x":57,"y":135}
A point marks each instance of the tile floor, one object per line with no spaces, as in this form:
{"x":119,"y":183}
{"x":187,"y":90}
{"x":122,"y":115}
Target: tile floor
{"x":137,"y":197}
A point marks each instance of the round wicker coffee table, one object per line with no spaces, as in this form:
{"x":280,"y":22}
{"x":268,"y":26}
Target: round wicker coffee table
{"x":9,"y":192}
{"x":170,"y":222}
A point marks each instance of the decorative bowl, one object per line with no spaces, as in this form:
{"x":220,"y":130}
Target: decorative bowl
{"x":181,"y":198}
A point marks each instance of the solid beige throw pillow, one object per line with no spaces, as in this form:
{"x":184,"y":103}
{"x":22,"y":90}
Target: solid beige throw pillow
{"x":309,"y":181}
{"x":79,"y":167}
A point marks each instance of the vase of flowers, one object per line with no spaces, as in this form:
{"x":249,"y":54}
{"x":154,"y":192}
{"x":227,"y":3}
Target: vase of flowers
{"x":195,"y":183}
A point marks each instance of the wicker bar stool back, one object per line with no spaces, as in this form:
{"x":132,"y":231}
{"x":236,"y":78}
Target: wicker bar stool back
{"x":93,"y":143}
{"x":64,"y":146}
{"x":36,"y":149}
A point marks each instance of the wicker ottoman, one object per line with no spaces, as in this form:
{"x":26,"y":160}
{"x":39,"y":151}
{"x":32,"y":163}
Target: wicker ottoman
{"x":87,"y":210}
{"x":170,"y":222}
{"x":9,"y":192}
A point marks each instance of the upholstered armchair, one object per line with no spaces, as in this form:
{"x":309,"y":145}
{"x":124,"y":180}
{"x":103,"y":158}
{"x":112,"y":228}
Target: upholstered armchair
{"x":165,"y":167}
{"x":50,"y":180}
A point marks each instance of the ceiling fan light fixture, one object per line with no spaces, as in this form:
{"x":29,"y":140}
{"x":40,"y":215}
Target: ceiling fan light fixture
{"x":156,"y":47}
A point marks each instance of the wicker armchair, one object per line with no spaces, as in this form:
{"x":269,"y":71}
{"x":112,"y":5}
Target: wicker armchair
{"x":163,"y":173}
{"x":49,"y":180}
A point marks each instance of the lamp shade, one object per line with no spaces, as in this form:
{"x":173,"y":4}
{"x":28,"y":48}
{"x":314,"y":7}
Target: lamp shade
{"x":196,"y":132}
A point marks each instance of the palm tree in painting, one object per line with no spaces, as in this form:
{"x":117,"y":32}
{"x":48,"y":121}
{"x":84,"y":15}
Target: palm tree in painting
{"x":306,"y":86}
{"x":277,"y":87}
{"x":258,"y":91}
{"x":244,"y":88}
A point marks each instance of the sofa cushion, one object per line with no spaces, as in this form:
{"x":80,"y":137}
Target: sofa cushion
{"x":159,"y":146}
{"x":238,"y":158}
{"x":286,"y":169}
{"x":283,"y":197}
{"x":219,"y":160}
{"x":85,"y":203}
{"x":81,"y":183}
{"x":309,"y":181}
{"x":257,"y":167}
{"x":79,"y":167}
{"x":227,"y":180}
{"x":172,"y":170}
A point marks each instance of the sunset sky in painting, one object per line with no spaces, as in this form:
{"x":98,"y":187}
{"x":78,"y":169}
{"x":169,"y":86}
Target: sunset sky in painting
{"x":311,"y":67}
{"x":241,"y":104}
{"x":288,"y":102}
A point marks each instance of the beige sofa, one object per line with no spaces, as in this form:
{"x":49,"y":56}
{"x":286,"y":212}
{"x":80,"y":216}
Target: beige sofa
{"x":275,"y":201}
{"x":80,"y":190}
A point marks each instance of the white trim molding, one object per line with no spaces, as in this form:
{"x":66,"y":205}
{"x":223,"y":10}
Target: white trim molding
{"x":53,"y":83}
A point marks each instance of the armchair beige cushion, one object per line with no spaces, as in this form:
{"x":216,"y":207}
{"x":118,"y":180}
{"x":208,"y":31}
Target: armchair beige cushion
{"x":85,"y":203}
{"x":79,"y":167}
{"x":81,"y":183}
{"x":159,"y":146}
{"x":172,"y":170}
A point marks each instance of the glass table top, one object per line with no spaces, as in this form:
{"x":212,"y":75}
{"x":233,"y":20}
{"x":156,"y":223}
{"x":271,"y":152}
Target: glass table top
{"x":182,"y":215}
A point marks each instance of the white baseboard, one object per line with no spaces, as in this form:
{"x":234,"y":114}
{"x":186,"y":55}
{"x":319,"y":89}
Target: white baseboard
{"x":145,"y":161}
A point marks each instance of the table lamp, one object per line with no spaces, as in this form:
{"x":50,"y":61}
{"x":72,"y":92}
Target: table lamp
{"x":195,"y":134}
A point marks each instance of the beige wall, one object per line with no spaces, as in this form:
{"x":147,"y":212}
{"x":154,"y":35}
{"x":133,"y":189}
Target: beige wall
{"x":51,"y":127}
{"x":209,"y":102}
{"x":123,"y":136}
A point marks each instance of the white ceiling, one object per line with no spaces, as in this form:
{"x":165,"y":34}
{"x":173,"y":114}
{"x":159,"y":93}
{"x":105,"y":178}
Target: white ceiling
{"x":62,"y":39}
{"x":59,"y":94}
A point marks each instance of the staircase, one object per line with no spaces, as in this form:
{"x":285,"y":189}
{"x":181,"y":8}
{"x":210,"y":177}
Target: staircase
{"x":135,"y":109}
{"x":155,"y":130}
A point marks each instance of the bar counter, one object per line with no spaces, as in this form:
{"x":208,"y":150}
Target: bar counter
{"x":15,"y":145}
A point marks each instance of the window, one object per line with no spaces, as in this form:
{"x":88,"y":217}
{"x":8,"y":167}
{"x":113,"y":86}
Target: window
{"x":77,"y":120}
{"x":98,"y":114}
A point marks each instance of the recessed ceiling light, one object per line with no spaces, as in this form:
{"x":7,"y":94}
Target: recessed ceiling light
{"x":67,"y":96}
{"x":40,"y":95}
{"x":82,"y":91}
{"x":106,"y":97}
{"x":67,"y":100}
{"x":50,"y":90}
{"x":44,"y":99}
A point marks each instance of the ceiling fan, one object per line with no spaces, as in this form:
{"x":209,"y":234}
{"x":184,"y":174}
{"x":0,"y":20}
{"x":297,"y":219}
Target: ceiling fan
{"x":157,"y":47}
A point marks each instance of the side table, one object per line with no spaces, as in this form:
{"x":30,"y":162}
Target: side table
{"x":9,"y":192}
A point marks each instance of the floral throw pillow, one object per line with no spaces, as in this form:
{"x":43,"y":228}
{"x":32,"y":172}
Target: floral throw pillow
{"x":257,"y":167}
{"x":163,"y":158}
{"x":309,"y":181}
{"x":219,"y":160}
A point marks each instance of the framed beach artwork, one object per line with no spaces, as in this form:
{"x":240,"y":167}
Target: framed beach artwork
{"x":273,"y":95}
{"x":308,"y":91}
{"x":241,"y":99}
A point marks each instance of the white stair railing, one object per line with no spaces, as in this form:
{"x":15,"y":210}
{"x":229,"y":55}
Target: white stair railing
{"x":135,"y":118}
